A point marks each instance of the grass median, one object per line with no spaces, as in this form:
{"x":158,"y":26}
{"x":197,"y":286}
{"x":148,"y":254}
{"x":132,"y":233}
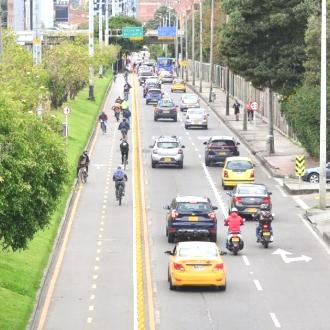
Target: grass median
{"x":21,"y":272}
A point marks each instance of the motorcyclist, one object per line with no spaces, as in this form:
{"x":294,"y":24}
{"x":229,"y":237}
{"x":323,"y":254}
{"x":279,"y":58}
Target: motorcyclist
{"x":119,"y":177}
{"x":124,"y":127}
{"x":118,"y":100}
{"x":124,"y":149}
{"x":103,"y":119}
{"x":127,"y":114}
{"x":83,"y":162}
{"x":264,"y":217}
{"x":124,"y":105}
{"x":117,"y":110}
{"x":234,"y":223}
{"x":127,"y":87}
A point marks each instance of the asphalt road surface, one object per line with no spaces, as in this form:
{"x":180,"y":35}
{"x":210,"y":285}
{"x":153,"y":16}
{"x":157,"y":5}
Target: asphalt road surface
{"x":95,"y":287}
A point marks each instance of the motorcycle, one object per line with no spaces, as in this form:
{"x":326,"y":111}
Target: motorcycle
{"x":235,"y":243}
{"x":265,"y":235}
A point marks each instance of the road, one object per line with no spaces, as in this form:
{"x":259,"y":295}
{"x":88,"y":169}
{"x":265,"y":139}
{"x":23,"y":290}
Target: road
{"x":96,"y":283}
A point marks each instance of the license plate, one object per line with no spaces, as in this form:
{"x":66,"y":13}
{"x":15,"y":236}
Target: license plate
{"x":198,"y":267}
{"x":168,"y":160}
{"x":193,"y":218}
{"x":221,"y":153}
{"x":267,"y":233}
{"x":235,"y":239}
{"x":166,"y":111}
{"x":251,"y":209}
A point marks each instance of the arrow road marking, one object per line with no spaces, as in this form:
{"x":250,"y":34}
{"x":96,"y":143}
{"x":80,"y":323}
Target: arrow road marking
{"x":284,"y":254}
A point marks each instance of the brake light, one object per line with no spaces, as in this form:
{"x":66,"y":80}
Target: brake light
{"x":265,"y":226}
{"x":178,"y":266}
{"x":180,"y":151}
{"x":174,"y":214}
{"x":225,"y":173}
{"x":266,"y":200}
{"x":218,"y":267}
{"x":252,"y":174}
{"x":211,"y":215}
{"x":237,"y":200}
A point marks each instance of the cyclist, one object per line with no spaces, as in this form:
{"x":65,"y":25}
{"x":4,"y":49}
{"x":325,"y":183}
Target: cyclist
{"x":103,"y":119}
{"x":127,"y":87}
{"x":124,"y":127}
{"x":119,"y":177}
{"x":127,"y":114}
{"x":124,"y":149}
{"x":83,"y":162}
{"x":117,"y":110}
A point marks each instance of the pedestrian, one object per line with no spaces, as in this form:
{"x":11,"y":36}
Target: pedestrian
{"x":127,"y":114}
{"x":249,"y":111}
{"x":236,"y":107}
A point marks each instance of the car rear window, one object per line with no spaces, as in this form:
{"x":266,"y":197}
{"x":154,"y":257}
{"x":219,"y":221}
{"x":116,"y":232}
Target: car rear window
{"x":187,"y":207}
{"x":241,"y":165}
{"x":155,"y":92}
{"x":198,"y":251}
{"x":168,"y":145}
{"x":178,"y":81}
{"x":195,"y":112}
{"x":166,"y":103}
{"x":253,"y":190}
{"x":223,"y":143}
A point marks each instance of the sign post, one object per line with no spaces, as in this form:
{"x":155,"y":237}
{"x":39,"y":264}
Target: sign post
{"x":300,"y":167}
{"x":66,"y":112}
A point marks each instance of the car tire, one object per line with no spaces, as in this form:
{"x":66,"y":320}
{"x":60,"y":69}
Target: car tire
{"x":147,"y":102}
{"x":181,"y":165}
{"x":205,"y":127}
{"x":153,"y":164}
{"x":186,"y":126}
{"x":213,"y":238}
{"x":222,"y":287}
{"x":170,"y":238}
{"x":172,"y":287}
{"x":175,"y":119}
{"x":166,"y":231}
{"x":313,"y":177}
{"x":207,"y":162}
{"x":155,"y":118}
{"x":171,"y":90}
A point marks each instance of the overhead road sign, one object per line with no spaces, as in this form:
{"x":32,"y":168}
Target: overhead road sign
{"x":132,"y":32}
{"x":166,"y":32}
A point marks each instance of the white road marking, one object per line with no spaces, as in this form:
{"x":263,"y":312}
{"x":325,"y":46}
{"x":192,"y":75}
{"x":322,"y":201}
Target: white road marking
{"x":264,"y":170}
{"x":98,"y":251}
{"x":275,"y":320}
{"x":284,"y":255}
{"x":100,"y":236}
{"x":189,"y":137}
{"x":196,"y":149}
{"x":319,"y":239}
{"x":251,"y":273}
{"x":200,"y":156}
{"x":93,"y":286}
{"x":246,"y":261}
{"x":91,"y":308}
{"x":89,"y":320}
{"x":95,"y":277}
{"x":281,"y":191}
{"x":193,"y":143}
{"x":99,"y":243}
{"x":96,"y":267}
{"x":97,"y":259}
{"x":101,"y":229}
{"x":300,"y":202}
{"x":92,"y":297}
{"x":258,"y":285}
{"x":279,"y":181}
{"x":203,"y":137}
{"x":157,"y":317}
{"x":102,"y":223}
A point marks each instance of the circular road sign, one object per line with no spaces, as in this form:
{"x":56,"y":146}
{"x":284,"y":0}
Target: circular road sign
{"x":254,"y":106}
{"x":66,"y":110}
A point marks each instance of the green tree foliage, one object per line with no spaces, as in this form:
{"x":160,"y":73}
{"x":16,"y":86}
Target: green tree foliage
{"x":127,"y":46}
{"x":32,"y":169}
{"x":156,"y":51}
{"x":263,"y":41}
{"x":161,"y":18}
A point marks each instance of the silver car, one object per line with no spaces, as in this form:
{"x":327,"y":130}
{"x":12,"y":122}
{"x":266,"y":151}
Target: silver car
{"x":189,"y":101}
{"x":196,"y":117}
{"x":167,"y":150}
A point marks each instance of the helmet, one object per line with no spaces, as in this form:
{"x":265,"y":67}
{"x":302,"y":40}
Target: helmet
{"x":124,"y":119}
{"x":85,"y":152}
{"x":267,"y":215}
{"x":119,"y":167}
{"x":234,"y":209}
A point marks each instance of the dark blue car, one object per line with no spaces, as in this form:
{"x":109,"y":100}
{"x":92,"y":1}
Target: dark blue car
{"x":153,"y":95}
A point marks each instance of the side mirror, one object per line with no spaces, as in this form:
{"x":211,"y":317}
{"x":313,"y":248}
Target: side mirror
{"x":183,"y":147}
{"x":237,"y":143}
{"x":151,"y":146}
{"x":167,"y":207}
{"x":205,"y":142}
{"x":170,"y":253}
{"x":223,"y":253}
{"x":208,"y":114}
{"x":214,"y":207}
{"x":270,"y":193}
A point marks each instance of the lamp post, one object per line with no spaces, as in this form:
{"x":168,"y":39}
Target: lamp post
{"x":200,"y":45}
{"x":100,"y":34}
{"x":181,"y":45}
{"x":211,"y":51}
{"x":323,"y":109}
{"x":193,"y":42}
{"x":186,"y":54}
{"x":91,"y":96}
{"x":106,"y":32}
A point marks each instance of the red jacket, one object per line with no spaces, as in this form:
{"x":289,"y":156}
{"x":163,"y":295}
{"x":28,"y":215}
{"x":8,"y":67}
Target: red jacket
{"x":234,"y":222}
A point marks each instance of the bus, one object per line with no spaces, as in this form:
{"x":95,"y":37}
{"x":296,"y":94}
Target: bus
{"x":165,"y":63}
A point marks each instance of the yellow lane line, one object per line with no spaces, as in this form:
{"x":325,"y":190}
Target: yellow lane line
{"x":151,"y":315}
{"x":60,"y":258}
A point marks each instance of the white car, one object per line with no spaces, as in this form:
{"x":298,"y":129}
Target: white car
{"x":196,"y":117}
{"x":167,"y":150}
{"x":189,"y":100}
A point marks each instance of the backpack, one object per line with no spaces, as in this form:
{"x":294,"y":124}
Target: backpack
{"x":119,"y":175}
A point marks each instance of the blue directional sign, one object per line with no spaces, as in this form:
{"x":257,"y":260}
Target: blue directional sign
{"x":166,"y":32}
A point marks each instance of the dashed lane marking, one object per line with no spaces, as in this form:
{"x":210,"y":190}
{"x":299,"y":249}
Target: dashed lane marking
{"x":275,"y":320}
{"x":89,"y":320}
{"x":258,"y":285}
{"x":300,"y":202}
{"x":281,"y":190}
{"x":246,"y":260}
{"x":93,"y":286}
{"x":91,"y":308}
{"x":96,"y":267}
{"x":92,"y":297}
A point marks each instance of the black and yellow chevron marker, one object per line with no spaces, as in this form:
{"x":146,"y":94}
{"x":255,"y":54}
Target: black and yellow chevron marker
{"x":300,"y":165}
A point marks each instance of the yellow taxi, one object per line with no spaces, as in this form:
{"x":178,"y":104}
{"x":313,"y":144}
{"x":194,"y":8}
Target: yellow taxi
{"x":237,"y":170}
{"x":196,"y":263}
{"x":178,"y":85}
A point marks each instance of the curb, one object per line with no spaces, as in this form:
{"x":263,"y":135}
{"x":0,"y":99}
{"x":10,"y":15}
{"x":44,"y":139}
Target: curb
{"x":40,"y":297}
{"x":261,"y":159}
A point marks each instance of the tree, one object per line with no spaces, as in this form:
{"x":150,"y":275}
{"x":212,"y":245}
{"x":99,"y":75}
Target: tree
{"x":33,"y":169}
{"x":161,"y":18}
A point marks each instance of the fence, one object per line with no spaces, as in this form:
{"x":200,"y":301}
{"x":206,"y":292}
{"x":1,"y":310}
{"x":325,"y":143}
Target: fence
{"x":243,"y":90}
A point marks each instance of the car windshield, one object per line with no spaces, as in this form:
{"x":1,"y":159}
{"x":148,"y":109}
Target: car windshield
{"x":223,"y":143}
{"x":166,"y":103}
{"x":178,"y":81}
{"x":195,"y":112}
{"x":252,"y":190}
{"x":198,"y":251}
{"x":154,"y":92}
{"x":188,"y":207}
{"x":241,"y":165}
{"x":167,"y":145}
{"x":145,"y":73}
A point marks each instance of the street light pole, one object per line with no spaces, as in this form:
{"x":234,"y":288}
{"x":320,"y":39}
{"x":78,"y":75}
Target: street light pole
{"x":211,"y":51}
{"x":106,"y":32}
{"x":100,"y":34}
{"x":186,"y":54}
{"x":323,"y":109}
{"x":200,"y":46}
{"x":193,"y":42}
{"x":181,"y":45}
{"x":176,"y":43}
{"x":91,"y":96}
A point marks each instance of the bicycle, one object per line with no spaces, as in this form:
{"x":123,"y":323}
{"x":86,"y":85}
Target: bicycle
{"x":125,"y":162}
{"x":120,"y":192}
{"x":82,"y":175}
{"x":103,"y":126}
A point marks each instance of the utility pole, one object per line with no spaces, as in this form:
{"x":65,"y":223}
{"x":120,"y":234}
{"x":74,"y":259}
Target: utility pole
{"x":176,"y":42}
{"x":91,"y":96}
{"x":323,"y":109}
{"x":271,"y":122}
{"x":186,"y":40}
{"x":227,"y":82}
{"x":200,"y":46}
{"x":193,"y":42}
{"x":181,"y":45}
{"x":211,"y":52}
{"x":100,"y":34}
{"x":106,"y":32}
{"x":36,"y":34}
